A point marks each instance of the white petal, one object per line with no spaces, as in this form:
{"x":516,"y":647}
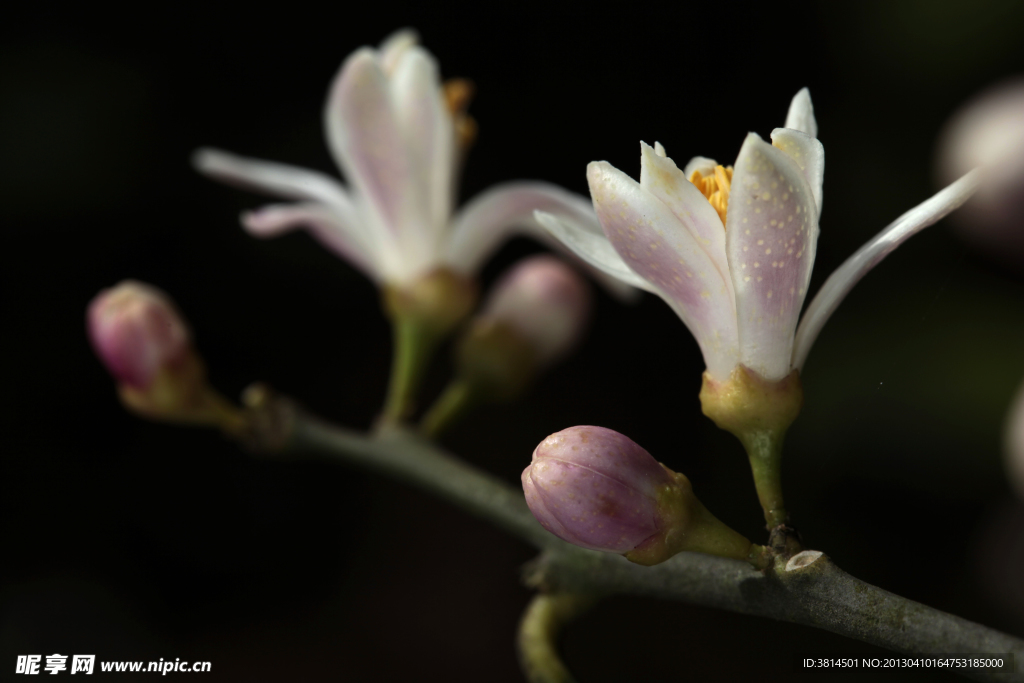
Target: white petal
{"x":593,"y":248}
{"x":771,"y":235}
{"x":282,"y":180}
{"x":801,"y":114}
{"x":660,"y":249}
{"x":808,"y":154}
{"x":429,"y":134}
{"x":705,"y":165}
{"x":659,"y":149}
{"x":660,"y":176}
{"x":364,"y":134}
{"x":868,"y":256}
{"x":325,"y":225}
{"x":493,"y":216}
{"x":394,"y":45}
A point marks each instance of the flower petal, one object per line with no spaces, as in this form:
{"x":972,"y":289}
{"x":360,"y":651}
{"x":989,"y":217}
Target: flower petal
{"x":771,"y":235}
{"x":329,"y":228}
{"x":660,"y":249}
{"x":491,"y":217}
{"x":394,"y":46}
{"x":593,"y":247}
{"x":364,"y":134}
{"x":868,"y":256}
{"x":808,"y":154}
{"x":660,"y":176}
{"x":429,"y":134}
{"x":801,"y":114}
{"x":282,"y":180}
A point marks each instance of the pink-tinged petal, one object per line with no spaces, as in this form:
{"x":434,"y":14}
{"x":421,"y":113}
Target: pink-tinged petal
{"x":593,"y":248}
{"x":495,"y":215}
{"x":289,"y":182}
{"x":596,"y":488}
{"x":705,"y":165}
{"x":394,"y":46}
{"x":325,"y":225}
{"x":868,"y":256}
{"x":541,"y":512}
{"x":801,"y":114}
{"x":808,"y":154}
{"x":599,"y":513}
{"x":660,"y":176}
{"x":771,"y":235}
{"x":660,"y":249}
{"x":364,"y":134}
{"x":1015,"y":443}
{"x":429,"y":133}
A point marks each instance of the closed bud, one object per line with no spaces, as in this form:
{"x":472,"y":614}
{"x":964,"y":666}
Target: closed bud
{"x":534,"y":315}
{"x":142,"y":340}
{"x":598,"y":489}
{"x":989,"y":132}
{"x":1015,"y":443}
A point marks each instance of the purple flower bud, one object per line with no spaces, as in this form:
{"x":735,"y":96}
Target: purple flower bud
{"x":596,"y":488}
{"x":989,"y":131}
{"x":136,"y":332}
{"x":543,"y":300}
{"x":1015,"y":443}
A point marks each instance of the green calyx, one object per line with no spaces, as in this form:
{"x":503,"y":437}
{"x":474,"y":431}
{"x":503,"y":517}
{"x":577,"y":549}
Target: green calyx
{"x":688,"y":525}
{"x":758,"y":412}
{"x":422,"y":314}
{"x":180,"y":394}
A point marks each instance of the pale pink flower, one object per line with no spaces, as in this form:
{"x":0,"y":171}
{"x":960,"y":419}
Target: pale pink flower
{"x":731,"y":249}
{"x":395,"y":139}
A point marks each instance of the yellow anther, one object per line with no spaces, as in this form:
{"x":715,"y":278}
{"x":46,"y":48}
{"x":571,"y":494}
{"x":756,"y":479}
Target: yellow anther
{"x":457,"y":94}
{"x":715,"y":187}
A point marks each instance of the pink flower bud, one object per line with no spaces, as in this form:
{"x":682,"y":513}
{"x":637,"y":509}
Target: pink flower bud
{"x":543,"y":300}
{"x":136,"y":332}
{"x":1015,"y":443}
{"x":596,"y":488}
{"x":989,"y":131}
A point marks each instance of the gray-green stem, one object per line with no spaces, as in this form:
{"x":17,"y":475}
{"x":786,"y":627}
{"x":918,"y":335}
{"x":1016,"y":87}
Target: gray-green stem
{"x":819,"y":595}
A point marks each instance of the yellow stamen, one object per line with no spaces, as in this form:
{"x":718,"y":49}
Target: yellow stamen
{"x":457,"y":94}
{"x":715,"y":187}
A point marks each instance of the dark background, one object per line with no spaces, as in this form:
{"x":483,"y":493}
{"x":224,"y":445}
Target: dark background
{"x":134,"y":540}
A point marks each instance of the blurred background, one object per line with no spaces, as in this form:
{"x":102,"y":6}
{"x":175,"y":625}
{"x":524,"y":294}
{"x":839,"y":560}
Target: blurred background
{"x":135,"y":540}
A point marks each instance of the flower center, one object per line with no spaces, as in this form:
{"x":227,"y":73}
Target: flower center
{"x":715,"y":186}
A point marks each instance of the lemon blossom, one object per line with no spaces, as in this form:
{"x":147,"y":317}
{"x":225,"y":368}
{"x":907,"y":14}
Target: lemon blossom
{"x":730,"y":249}
{"x":397,"y":133}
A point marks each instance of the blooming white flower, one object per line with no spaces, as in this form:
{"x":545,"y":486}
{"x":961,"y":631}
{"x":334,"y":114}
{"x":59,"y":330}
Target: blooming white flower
{"x":731,"y":249}
{"x":394,"y":131}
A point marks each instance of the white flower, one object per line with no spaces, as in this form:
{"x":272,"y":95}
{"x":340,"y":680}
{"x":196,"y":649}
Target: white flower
{"x":391,"y":130}
{"x":731,"y":249}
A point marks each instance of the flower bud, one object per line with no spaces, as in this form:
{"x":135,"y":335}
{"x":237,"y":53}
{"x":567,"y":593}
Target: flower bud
{"x":597,"y":489}
{"x":544,"y":301}
{"x":141,"y":338}
{"x":534,"y":315}
{"x":136,"y":331}
{"x":1015,"y":443}
{"x":989,"y":131}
